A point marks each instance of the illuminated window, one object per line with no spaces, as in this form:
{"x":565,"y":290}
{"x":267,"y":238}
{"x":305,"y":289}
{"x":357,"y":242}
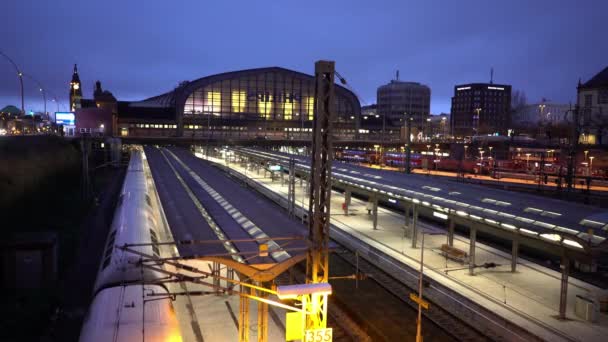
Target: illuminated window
{"x":310,"y":107}
{"x":265,"y":105}
{"x":239,"y":99}
{"x":213,"y":102}
{"x":288,"y":106}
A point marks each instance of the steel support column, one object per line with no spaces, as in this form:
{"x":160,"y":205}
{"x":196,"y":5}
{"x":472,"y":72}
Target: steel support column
{"x":262,"y":317}
{"x":514,"y":253}
{"x":414,"y":225}
{"x":317,"y":257}
{"x":244,"y":315}
{"x":375,"y":211}
{"x":407,"y":230}
{"x":347,"y":196}
{"x":215,"y":269}
{"x":472,"y":240}
{"x":451,"y":225}
{"x":291,"y":189}
{"x":563,"y":295}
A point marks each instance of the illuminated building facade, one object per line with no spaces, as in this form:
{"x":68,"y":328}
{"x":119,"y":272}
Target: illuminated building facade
{"x":480,"y":109}
{"x":265,"y":103}
{"x":592,"y":99}
{"x":268,"y":102}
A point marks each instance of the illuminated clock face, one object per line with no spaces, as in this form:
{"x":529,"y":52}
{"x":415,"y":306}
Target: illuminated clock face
{"x":76,"y":85}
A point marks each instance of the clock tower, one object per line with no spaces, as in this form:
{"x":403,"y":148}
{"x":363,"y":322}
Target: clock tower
{"x":75,"y":90}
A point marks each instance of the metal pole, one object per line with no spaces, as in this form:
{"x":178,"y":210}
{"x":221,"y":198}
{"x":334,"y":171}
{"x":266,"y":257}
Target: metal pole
{"x":317,"y":258}
{"x":473,"y":239}
{"x":408,"y":148}
{"x":563,"y":297}
{"x":41,"y":88}
{"x":20,"y":74}
{"x":419,"y":322}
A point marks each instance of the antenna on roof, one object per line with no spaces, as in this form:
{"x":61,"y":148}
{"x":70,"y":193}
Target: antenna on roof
{"x":491,"y":75}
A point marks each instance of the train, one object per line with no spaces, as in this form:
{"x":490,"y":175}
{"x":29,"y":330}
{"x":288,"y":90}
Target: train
{"x":128,"y":302}
{"x":519,"y":169}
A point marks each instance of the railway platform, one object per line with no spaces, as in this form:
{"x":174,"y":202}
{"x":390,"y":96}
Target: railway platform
{"x":528,"y":298}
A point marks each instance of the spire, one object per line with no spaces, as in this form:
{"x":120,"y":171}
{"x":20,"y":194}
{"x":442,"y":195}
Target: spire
{"x":491,"y":75}
{"x":75,"y":68}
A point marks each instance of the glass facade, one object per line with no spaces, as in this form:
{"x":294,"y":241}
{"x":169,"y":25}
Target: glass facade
{"x":270,"y":95}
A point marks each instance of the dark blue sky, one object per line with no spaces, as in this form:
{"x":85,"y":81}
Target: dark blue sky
{"x":141,"y":48}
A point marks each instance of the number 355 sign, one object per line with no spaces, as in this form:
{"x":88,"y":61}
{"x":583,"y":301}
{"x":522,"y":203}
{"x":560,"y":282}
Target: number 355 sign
{"x":318,"y":335}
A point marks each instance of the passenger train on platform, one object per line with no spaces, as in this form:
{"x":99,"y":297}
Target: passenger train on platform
{"x":128,"y":305}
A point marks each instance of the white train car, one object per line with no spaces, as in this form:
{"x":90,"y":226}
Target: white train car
{"x":129,"y":313}
{"x":124,"y":308}
{"x":134,"y":222}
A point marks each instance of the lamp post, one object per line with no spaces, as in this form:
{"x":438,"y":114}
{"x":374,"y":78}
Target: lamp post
{"x":20,"y":75}
{"x":42,"y":91}
{"x":420,"y":281}
{"x":527,"y":160}
{"x":466,"y":147}
{"x":591,"y":165}
{"x":481,"y":152}
{"x":436,"y":159}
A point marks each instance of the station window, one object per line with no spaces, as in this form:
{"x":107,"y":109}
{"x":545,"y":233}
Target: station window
{"x":239,"y":100}
{"x":213,"y":102}
{"x":265,"y":106}
{"x":310,"y":107}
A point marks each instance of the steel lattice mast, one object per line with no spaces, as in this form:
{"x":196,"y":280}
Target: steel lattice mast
{"x":317,"y":261}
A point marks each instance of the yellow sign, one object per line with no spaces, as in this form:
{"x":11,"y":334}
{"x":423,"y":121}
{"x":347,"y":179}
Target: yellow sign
{"x":422,"y":302}
{"x":294,"y":326}
{"x":318,"y":335}
{"x":263,"y":250}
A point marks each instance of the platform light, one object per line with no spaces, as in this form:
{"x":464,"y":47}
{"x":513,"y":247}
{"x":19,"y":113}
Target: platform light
{"x":392,"y":201}
{"x":567,"y":230}
{"x":461,"y":213}
{"x":475,"y":217}
{"x":490,"y":221}
{"x":572,"y":243}
{"x":508,"y":226}
{"x":440,"y":215}
{"x":527,"y":231}
{"x":552,"y":237}
{"x":293,"y":291}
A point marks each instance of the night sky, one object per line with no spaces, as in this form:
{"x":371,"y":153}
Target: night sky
{"x":139,"y":49}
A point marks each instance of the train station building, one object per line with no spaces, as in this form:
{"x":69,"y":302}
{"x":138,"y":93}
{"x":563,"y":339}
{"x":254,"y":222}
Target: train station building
{"x":264,"y":103}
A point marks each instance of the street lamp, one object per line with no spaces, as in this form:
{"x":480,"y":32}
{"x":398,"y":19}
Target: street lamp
{"x":527,"y":160}
{"x":591,"y":165}
{"x":466,"y":147}
{"x":20,"y":75}
{"x":41,"y":88}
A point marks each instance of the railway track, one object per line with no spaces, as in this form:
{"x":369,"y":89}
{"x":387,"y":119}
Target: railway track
{"x":442,"y":318}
